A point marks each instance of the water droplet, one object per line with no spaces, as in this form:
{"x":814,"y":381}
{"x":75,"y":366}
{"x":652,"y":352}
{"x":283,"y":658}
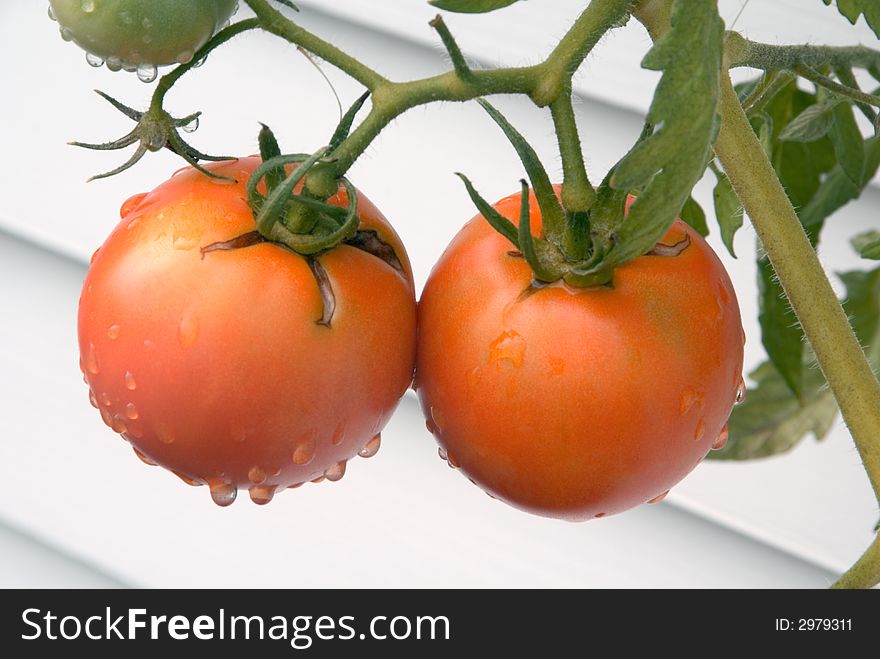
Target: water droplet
{"x":304,"y":451}
{"x":199,"y":62}
{"x":508,"y":346}
{"x":94,"y":60}
{"x":66,"y":34}
{"x":430,"y":426}
{"x":125,"y":17}
{"x":319,"y":479}
{"x":442,"y":453}
{"x":114,"y":63}
{"x":188,"y":330}
{"x":147,"y":38}
{"x":52,"y":13}
{"x":147,"y":72}
{"x":92,"y":360}
{"x":88,"y":6}
{"x":335,"y":472}
{"x":118,"y":424}
{"x":143,"y":458}
{"x":183,"y":243}
{"x":131,"y":412}
{"x":105,"y":417}
{"x":371,"y":447}
{"x":338,"y":434}
{"x":147,"y":23}
{"x":135,"y":432}
{"x":689,"y":398}
{"x":450,"y":460}
{"x":256,"y":475}
{"x":82,"y":368}
{"x":129,"y":67}
{"x":438,"y":418}
{"x":130,"y":384}
{"x":184,"y":57}
{"x":599,"y":516}
{"x":659,"y":497}
{"x":700,"y":430}
{"x":164,"y":433}
{"x":105,"y":400}
{"x":186,"y":479}
{"x":192,"y":126}
{"x":262,"y":494}
{"x":222,"y":493}
{"x":113,"y":332}
{"x":294,"y":486}
{"x":722,"y":438}
{"x":92,"y":399}
{"x":740,"y":392}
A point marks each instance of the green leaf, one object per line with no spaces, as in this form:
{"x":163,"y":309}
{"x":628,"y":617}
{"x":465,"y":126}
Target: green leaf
{"x":728,"y":211}
{"x":838,"y":189}
{"x":344,"y":126}
{"x":852,"y":9}
{"x":868,"y":245}
{"x":781,"y":334}
{"x":471,"y":6}
{"x":811,"y":124}
{"x":694,"y":216}
{"x":668,"y":162}
{"x":772,"y":420}
{"x":848,"y":143}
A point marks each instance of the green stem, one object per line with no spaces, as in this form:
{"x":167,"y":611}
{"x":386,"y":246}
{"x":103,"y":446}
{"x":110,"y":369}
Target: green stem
{"x":769,"y":57}
{"x":865,"y":572}
{"x":812,"y":298}
{"x":543,"y":82}
{"x":577,"y":192}
{"x":459,"y":63}
{"x":275,"y":22}
{"x":771,"y":84}
{"x":576,"y":44}
{"x":832,"y":85}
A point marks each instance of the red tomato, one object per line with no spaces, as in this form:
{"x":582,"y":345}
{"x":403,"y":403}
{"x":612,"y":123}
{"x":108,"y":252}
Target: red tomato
{"x":577,"y":403}
{"x":228,"y":366}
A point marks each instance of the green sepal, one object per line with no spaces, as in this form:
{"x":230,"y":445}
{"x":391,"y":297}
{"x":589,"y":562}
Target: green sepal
{"x":471,"y":6}
{"x":344,"y":127}
{"x":498,"y":222}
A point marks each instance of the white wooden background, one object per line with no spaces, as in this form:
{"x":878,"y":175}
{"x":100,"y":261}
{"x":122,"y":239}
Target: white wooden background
{"x":81,"y":510}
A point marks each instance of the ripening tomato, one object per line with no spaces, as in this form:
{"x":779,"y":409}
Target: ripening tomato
{"x":236,"y":362}
{"x":141,"y":32}
{"x":577,"y":403}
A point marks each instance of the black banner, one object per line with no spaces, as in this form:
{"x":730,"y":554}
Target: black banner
{"x":315,"y":623}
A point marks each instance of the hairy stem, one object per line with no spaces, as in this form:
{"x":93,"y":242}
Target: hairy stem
{"x":275,"y":22}
{"x":832,"y":85}
{"x":769,"y":57}
{"x":577,"y":192}
{"x":814,"y":302}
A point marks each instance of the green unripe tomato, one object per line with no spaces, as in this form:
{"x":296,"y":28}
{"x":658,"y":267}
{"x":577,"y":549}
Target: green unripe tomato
{"x":132,"y":33}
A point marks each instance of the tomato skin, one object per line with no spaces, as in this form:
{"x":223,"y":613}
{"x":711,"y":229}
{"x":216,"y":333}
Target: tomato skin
{"x":137,"y":32}
{"x":576,"y":403}
{"x":213,"y":364}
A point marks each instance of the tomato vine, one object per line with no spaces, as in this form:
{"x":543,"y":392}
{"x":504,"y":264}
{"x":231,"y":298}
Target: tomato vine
{"x":584,"y":238}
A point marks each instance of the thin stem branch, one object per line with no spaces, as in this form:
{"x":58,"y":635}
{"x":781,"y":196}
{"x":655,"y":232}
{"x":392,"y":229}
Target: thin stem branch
{"x":577,"y":191}
{"x":770,"y":57}
{"x":458,"y":61}
{"x":865,"y":572}
{"x":275,"y":22}
{"x":771,"y":84}
{"x":833,"y":86}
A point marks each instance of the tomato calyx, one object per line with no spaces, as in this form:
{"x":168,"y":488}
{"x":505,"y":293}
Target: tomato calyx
{"x":155,"y":129}
{"x":580,"y":248}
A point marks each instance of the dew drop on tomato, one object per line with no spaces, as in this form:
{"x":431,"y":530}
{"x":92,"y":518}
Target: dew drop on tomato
{"x":722,"y":438}
{"x":657,"y":499}
{"x":740,"y":392}
{"x":262,"y":494}
{"x":223,"y":494}
{"x":131,"y":412}
{"x":113,"y":332}
{"x":335,"y":472}
{"x":371,"y":447}
{"x":256,"y":475}
{"x":143,"y":458}
{"x":147,"y":73}
{"x":130,"y":384}
{"x":94,"y":60}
